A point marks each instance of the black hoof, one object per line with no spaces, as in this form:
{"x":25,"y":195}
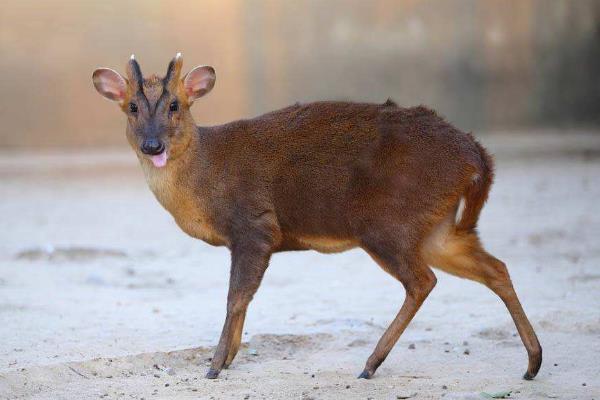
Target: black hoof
{"x":535,"y":363}
{"x":528,"y":376}
{"x":365,"y":375}
{"x":212,"y":374}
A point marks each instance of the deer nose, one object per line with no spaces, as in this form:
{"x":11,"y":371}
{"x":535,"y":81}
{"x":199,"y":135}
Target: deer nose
{"x":152,"y":147}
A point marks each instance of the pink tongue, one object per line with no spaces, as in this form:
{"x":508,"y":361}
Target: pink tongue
{"x":159,"y":160}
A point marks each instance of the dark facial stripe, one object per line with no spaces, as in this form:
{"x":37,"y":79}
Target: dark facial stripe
{"x":137,"y":77}
{"x":141,"y":96}
{"x":168,"y":77}
{"x":163,"y":95}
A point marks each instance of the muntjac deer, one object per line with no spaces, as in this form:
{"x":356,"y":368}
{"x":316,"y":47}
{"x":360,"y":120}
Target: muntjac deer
{"x":401,"y":183}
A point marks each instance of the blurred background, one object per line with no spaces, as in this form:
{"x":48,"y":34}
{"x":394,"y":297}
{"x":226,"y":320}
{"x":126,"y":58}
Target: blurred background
{"x":485,"y":65}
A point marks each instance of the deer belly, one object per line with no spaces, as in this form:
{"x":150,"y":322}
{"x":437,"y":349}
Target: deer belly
{"x":326,"y":244}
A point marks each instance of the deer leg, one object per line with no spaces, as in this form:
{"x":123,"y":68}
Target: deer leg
{"x":498,"y":280}
{"x":237,"y":339}
{"x":418,"y":281}
{"x":463,"y":256}
{"x":248,"y":265}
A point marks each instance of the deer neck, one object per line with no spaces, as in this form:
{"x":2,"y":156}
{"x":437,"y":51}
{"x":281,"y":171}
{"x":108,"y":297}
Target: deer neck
{"x":173,"y":182}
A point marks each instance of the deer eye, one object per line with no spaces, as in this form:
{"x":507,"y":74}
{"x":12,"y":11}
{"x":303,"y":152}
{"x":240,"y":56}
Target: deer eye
{"x":174,"y":106}
{"x":133,"y":107}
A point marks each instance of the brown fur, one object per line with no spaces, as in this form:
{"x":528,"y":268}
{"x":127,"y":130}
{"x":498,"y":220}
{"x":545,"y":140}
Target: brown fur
{"x":328,"y":176}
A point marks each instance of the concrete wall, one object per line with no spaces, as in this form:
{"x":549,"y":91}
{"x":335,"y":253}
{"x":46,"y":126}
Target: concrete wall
{"x":484,"y":64}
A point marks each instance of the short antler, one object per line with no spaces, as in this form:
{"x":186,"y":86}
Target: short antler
{"x":174,"y":70}
{"x":134,"y":72}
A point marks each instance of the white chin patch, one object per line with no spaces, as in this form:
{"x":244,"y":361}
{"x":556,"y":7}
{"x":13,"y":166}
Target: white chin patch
{"x":159,"y":160}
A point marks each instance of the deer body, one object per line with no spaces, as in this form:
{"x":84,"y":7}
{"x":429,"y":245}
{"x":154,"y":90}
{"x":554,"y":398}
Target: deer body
{"x":303,"y":165}
{"x":326,"y":176}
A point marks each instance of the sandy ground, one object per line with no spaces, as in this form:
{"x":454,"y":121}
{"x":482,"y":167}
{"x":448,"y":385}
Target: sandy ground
{"x":101,"y":295}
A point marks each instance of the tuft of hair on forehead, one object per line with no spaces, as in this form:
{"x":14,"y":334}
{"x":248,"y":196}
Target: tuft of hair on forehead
{"x":153,"y":88}
{"x":153,"y":81}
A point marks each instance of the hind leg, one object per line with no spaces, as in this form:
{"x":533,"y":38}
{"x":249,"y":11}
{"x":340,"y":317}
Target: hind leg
{"x":462,"y":255}
{"x":405,"y":264}
{"x":498,"y":280}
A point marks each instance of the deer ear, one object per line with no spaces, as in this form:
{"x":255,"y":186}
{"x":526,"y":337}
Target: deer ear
{"x":198,"y":82}
{"x":110,"y":84}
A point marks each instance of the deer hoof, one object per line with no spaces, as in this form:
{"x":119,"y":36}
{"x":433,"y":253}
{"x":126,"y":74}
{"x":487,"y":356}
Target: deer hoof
{"x":212,"y":374}
{"x":365,"y":375}
{"x":528,"y":376}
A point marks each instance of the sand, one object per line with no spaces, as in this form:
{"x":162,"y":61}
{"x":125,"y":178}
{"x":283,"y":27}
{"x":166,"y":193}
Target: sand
{"x":102,"y":296}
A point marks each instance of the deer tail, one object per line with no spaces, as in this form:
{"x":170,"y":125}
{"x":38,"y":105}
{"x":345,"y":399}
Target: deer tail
{"x":476,"y":192}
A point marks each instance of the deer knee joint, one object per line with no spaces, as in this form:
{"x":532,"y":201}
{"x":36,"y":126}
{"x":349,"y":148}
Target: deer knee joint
{"x":497,"y":277}
{"x":423,"y":287}
{"x":429,"y":284}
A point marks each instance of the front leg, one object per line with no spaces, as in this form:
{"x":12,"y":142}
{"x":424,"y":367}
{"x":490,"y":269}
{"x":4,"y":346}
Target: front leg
{"x":238,"y":327}
{"x":249,"y":261}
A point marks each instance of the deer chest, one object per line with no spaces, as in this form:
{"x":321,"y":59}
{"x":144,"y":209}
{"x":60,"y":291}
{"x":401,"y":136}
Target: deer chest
{"x":186,"y":208}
